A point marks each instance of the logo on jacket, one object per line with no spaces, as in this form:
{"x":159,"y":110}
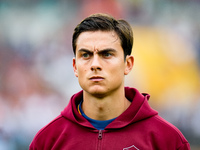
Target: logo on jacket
{"x":133,"y":147}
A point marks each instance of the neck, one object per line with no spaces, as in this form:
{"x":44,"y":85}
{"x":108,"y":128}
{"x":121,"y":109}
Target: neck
{"x":105,"y":108}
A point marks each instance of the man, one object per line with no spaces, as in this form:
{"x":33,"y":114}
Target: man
{"x":105,"y":114}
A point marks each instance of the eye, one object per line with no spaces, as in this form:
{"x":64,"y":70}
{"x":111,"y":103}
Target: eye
{"x":107,"y":54}
{"x":85,"y":55}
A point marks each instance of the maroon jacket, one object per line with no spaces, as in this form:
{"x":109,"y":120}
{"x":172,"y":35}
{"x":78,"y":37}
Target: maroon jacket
{"x":138,"y":128}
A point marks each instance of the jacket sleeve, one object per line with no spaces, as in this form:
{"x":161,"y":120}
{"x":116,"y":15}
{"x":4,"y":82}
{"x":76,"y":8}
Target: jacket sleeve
{"x":185,"y":146}
{"x":31,"y":147}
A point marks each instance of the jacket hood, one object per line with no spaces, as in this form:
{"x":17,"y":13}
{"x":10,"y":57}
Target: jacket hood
{"x":137,"y":111}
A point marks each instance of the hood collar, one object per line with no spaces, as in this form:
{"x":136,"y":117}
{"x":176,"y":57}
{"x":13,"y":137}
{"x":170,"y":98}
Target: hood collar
{"x":138,"y":110}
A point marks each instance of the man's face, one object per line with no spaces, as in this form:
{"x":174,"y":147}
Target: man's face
{"x":99,"y":63}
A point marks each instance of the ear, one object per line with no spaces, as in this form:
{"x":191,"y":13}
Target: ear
{"x":129,"y":64}
{"x":74,"y":67}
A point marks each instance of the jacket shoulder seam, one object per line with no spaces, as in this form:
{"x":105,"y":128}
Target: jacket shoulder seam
{"x":174,"y":128}
{"x":45,"y":127}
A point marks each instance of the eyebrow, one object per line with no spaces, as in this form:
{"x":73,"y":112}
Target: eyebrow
{"x":84,"y":50}
{"x":100,"y":51}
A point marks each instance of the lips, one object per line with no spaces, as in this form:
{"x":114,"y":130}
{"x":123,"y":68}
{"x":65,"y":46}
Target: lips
{"x":96,"y":78}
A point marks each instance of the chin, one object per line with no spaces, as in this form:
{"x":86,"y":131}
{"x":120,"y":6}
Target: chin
{"x":97,"y":92}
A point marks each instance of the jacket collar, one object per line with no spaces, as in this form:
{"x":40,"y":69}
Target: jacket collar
{"x":138,"y":110}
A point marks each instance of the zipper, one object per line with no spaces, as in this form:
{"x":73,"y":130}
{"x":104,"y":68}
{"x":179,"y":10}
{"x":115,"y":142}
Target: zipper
{"x":100,"y":135}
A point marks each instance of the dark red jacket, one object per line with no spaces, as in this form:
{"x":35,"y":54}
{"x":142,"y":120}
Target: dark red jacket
{"x":138,"y":128}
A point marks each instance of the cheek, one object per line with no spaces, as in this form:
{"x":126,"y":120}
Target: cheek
{"x":116,"y":72}
{"x":82,"y":72}
{"x":118,"y":68}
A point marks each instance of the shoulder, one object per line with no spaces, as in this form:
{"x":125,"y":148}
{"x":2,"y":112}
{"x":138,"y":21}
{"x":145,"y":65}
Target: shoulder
{"x":169,"y":127}
{"x":168,"y":132}
{"x":52,"y":129}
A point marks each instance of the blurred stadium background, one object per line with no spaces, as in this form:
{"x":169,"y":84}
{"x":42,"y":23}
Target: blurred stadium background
{"x":36,"y":74}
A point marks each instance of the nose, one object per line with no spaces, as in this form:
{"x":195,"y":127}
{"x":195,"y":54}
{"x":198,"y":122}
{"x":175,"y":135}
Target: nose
{"x":96,"y":63}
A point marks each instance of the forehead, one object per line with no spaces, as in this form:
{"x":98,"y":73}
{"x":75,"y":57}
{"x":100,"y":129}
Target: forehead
{"x":98,"y":40}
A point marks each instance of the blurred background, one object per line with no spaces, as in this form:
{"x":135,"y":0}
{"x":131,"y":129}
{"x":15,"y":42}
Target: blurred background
{"x":36,"y":74}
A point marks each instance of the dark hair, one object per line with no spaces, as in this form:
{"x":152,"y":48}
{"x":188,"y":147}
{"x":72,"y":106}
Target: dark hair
{"x":104,"y":22}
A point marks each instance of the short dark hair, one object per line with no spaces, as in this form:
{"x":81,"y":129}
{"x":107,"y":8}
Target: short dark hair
{"x":104,"y":22}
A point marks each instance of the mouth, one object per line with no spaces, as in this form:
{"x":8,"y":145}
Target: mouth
{"x":96,"y":78}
